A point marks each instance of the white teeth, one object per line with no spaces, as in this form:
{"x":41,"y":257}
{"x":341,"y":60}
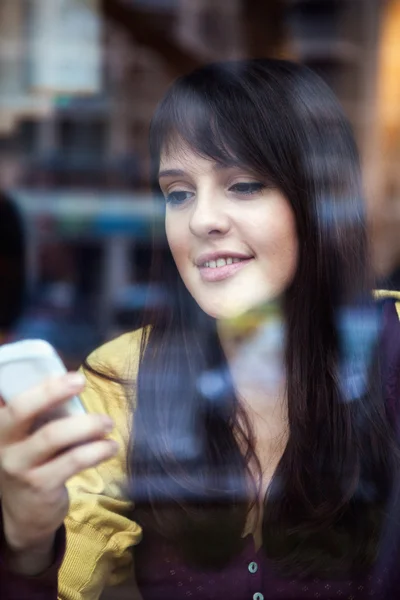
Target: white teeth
{"x":221,"y":262}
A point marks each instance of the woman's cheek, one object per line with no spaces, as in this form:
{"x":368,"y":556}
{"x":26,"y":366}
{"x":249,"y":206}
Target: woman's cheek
{"x":176,"y":238}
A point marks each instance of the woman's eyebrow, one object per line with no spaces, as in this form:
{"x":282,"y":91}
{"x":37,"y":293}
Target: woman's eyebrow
{"x":171,"y":173}
{"x":180,"y":173}
{"x":218,"y":166}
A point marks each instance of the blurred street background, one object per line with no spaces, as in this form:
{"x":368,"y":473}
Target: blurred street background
{"x":79,"y":80}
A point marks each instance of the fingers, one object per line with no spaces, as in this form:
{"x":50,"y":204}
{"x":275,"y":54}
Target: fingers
{"x":57,"y":472}
{"x":21,"y":412}
{"x":52,"y":439}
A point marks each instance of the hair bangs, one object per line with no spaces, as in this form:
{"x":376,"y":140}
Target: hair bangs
{"x":198,"y":116}
{"x":186,"y":119}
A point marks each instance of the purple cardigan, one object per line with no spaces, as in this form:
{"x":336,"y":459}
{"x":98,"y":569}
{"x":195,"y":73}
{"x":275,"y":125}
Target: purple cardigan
{"x":162,"y":575}
{"x":42,"y":587}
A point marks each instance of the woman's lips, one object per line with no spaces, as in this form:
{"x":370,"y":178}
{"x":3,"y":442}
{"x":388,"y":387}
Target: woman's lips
{"x":219,"y":273}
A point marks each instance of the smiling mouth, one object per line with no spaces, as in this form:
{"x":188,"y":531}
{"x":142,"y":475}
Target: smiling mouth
{"x":222,"y":268}
{"x":221,"y":262}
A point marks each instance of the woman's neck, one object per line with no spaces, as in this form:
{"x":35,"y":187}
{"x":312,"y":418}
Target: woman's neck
{"x":254,"y":345}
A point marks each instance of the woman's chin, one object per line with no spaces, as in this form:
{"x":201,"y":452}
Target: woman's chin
{"x":224,"y":311}
{"x":228,"y":311}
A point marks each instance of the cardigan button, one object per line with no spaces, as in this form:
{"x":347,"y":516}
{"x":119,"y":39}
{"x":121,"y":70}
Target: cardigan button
{"x":253,"y":567}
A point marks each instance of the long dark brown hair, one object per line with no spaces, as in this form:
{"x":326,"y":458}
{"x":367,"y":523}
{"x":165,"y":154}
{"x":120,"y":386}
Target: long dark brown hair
{"x":192,"y":447}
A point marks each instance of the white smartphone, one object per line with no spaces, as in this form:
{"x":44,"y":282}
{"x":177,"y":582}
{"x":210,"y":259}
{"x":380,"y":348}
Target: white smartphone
{"x":27,"y":363}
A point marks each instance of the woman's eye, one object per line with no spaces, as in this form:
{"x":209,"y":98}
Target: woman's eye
{"x":247,"y":188}
{"x":177,"y":197}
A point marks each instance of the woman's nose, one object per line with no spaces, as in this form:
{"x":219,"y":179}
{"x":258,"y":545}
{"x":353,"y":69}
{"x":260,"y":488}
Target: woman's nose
{"x":209,"y":216}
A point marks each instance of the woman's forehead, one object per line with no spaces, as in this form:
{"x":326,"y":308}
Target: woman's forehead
{"x":177,"y":150}
{"x":184,"y":159}
{"x":180,"y":155}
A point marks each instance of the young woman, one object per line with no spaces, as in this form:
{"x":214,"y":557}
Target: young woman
{"x":256,"y":415}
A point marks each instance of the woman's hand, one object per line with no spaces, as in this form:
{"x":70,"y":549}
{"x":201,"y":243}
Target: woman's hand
{"x":35,"y":466}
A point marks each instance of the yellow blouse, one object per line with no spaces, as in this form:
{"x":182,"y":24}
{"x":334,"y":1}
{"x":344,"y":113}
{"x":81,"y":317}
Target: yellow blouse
{"x":99,"y":533}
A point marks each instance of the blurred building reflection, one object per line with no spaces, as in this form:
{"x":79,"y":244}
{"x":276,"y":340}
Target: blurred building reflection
{"x":79,"y":80}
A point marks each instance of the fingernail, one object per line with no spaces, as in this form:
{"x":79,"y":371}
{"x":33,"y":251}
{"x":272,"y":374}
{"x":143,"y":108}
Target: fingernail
{"x":108,"y":424}
{"x":114,"y":446}
{"x":76,"y":379}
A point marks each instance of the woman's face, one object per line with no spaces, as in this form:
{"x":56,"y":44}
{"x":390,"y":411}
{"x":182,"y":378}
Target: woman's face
{"x":233,"y":236}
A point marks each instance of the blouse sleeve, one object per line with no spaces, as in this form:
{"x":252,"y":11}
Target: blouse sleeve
{"x":100,"y":532}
